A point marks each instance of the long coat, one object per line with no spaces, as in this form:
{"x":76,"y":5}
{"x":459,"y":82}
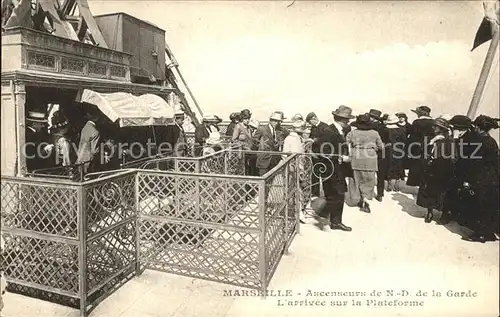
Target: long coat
{"x":481,"y":171}
{"x":324,"y":134}
{"x":266,"y":142}
{"x":420,"y":130}
{"x":89,"y":145}
{"x":437,"y":175}
{"x":365,"y":144}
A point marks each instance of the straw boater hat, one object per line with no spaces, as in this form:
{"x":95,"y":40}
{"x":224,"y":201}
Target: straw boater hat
{"x":36,"y":116}
{"x":393,"y":119}
{"x":277,"y":116}
{"x":209,"y":118}
{"x":179,"y":113}
{"x":442,"y":122}
{"x":422,"y":111}
{"x":343,"y":112}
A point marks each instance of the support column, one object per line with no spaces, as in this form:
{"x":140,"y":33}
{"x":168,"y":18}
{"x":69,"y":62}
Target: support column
{"x":19,"y":91}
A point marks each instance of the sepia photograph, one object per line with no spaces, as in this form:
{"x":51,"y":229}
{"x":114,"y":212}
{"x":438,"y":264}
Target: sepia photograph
{"x":185,"y":158}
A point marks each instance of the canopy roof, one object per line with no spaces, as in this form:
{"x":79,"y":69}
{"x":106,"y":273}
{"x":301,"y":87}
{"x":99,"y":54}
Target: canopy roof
{"x":131,"y":110}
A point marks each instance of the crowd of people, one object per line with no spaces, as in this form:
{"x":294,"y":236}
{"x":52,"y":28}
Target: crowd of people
{"x":451,"y":160}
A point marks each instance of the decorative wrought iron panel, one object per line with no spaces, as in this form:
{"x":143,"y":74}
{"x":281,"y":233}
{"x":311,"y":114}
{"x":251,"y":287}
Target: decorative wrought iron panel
{"x":110,"y":201}
{"x":45,"y":208}
{"x":47,"y":264}
{"x":38,"y":59}
{"x":72,"y":65}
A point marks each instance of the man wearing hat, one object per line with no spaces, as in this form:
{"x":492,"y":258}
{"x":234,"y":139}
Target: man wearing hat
{"x":383,"y":131}
{"x":267,"y":139}
{"x":282,"y":132}
{"x":421,"y":131}
{"x":37,"y":139}
{"x":202,"y":133}
{"x":327,"y":143}
{"x":176,"y":136}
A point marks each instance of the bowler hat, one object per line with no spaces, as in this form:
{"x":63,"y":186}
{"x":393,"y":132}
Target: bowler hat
{"x":422,"y":111}
{"x":461,"y":121}
{"x":343,"y":112}
{"x":375,"y":114}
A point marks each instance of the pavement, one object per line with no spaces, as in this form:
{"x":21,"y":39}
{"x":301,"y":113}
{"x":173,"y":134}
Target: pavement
{"x":391,"y":264}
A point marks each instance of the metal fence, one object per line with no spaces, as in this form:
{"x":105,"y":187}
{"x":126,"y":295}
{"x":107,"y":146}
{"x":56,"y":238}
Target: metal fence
{"x":67,"y":242}
{"x":76,"y":242}
{"x":227,"y":228}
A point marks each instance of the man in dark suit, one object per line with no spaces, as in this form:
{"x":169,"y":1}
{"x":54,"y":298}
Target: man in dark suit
{"x":37,"y":140}
{"x":421,"y":132}
{"x":266,"y":138}
{"x":201,"y":134}
{"x":383,"y":162}
{"x":176,"y":137}
{"x":328,"y":143}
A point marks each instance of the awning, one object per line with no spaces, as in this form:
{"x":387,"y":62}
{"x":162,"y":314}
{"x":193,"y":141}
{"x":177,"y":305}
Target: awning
{"x":130,"y":110}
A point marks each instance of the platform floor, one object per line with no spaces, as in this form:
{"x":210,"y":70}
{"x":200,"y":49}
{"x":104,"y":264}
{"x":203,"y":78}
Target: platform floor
{"x":390,"y":249}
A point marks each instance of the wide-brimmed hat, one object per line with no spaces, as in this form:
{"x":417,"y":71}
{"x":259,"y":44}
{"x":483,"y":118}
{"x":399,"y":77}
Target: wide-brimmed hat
{"x":254,"y":124}
{"x":461,"y":122}
{"x":209,"y":118}
{"x":234,"y":116}
{"x":392,"y":119}
{"x":486,"y":123}
{"x":375,"y":114}
{"x":297,"y":117}
{"x":277,"y":116}
{"x":58,"y":120}
{"x":401,"y":115}
{"x":36,"y":116}
{"x":363,"y":122}
{"x":299,"y":126}
{"x":422,"y":111}
{"x":309,"y":116}
{"x":246,"y":112}
{"x":442,"y":122}
{"x":343,"y":112}
{"x":244,"y":115}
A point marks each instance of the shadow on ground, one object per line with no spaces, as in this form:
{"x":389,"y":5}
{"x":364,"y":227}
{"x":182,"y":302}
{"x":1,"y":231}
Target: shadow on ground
{"x":408,"y":205}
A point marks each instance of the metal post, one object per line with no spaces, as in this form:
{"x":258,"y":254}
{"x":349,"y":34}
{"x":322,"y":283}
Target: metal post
{"x":298,"y":194}
{"x":137,"y":228}
{"x":82,"y":250}
{"x":286,"y":208}
{"x":262,"y":237}
{"x":485,"y":71}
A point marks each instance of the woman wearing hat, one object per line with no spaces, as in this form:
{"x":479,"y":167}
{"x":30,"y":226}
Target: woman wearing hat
{"x":241,"y":134}
{"x":294,"y":143}
{"x":395,"y":153}
{"x":421,"y":130}
{"x":59,"y":129}
{"x":438,"y":171}
{"x":235,"y":118}
{"x":364,"y":142}
{"x":481,"y":177}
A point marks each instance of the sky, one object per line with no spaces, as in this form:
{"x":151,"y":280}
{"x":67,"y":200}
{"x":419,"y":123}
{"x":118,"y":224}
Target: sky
{"x":315,"y":56}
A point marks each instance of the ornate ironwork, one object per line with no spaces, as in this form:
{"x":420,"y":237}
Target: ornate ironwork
{"x":97,"y":69}
{"x":41,"y":60}
{"x":72,"y":65}
{"x":118,"y":71}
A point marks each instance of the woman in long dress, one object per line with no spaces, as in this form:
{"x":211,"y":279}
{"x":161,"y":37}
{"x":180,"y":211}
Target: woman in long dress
{"x":482,"y":179}
{"x":438,"y":171}
{"x":395,"y":154}
{"x":364,"y":142}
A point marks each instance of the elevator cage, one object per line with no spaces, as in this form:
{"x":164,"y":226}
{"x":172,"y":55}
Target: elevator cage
{"x":76,"y":242}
